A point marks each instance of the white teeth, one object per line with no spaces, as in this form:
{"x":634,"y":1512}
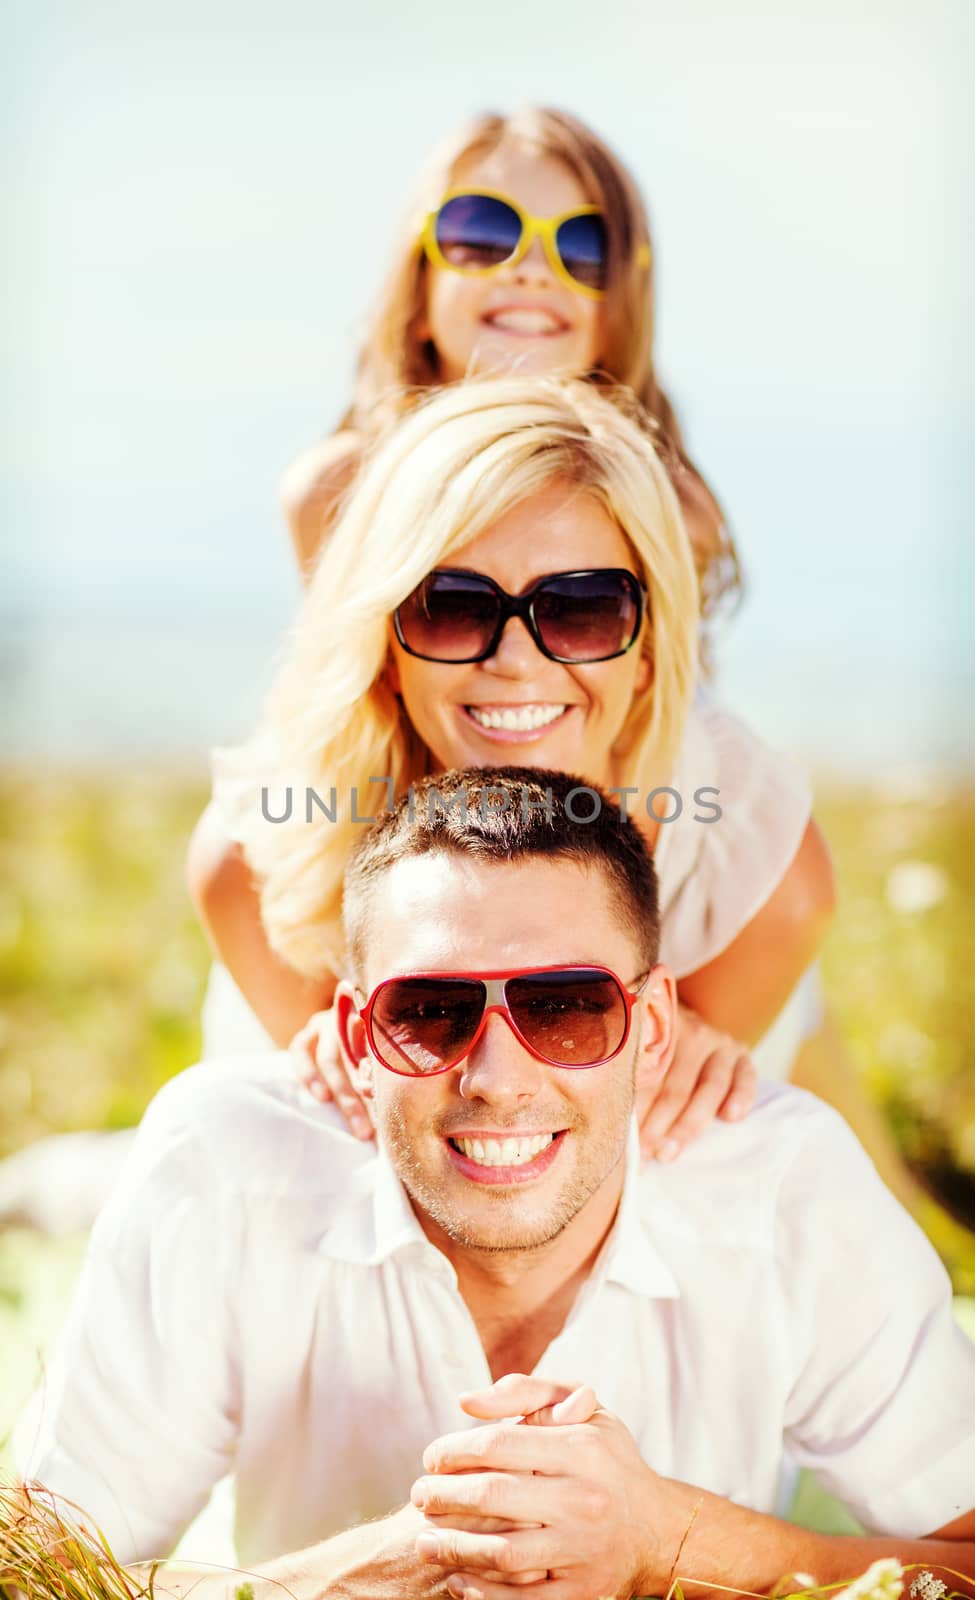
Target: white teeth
{"x":525,"y":321}
{"x":504,"y":1152}
{"x":515,"y":719}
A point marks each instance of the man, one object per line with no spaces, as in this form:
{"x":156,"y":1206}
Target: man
{"x":266,"y":1295}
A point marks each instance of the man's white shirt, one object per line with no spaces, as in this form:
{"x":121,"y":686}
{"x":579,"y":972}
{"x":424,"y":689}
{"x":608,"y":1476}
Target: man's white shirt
{"x":259,"y":1298}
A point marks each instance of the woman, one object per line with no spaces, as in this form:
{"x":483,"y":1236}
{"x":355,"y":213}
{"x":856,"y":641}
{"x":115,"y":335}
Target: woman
{"x":516,"y":482}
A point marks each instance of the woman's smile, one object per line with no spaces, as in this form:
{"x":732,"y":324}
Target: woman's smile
{"x":515,"y":722}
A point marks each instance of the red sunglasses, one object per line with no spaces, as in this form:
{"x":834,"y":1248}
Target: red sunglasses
{"x":566,"y":1016}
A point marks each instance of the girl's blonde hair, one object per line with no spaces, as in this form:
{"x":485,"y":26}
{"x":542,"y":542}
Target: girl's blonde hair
{"x":448,"y":471}
{"x":397,"y":358}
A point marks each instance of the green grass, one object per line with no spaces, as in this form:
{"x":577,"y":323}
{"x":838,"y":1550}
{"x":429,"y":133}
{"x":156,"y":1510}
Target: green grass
{"x":102,"y":964}
{"x":901,"y":982}
{"x":102,"y":970}
{"x":36,"y":1279}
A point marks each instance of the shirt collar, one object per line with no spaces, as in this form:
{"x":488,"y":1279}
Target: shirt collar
{"x":378,"y":1222}
{"x":629,"y":1257}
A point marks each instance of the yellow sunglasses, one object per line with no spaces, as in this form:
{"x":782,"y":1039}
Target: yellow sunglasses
{"x":478,"y":231}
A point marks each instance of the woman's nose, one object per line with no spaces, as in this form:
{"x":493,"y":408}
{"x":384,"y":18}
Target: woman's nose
{"x":517,"y":654}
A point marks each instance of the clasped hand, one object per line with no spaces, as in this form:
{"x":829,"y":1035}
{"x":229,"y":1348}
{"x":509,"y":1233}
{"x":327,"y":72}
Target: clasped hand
{"x":568,"y":1503}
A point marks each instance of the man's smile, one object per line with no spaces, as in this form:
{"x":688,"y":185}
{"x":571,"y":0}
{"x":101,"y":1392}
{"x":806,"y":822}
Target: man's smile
{"x":504,"y":1159}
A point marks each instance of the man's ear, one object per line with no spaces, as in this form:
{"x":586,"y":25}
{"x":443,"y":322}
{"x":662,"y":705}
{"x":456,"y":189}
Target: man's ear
{"x":351,"y":1035}
{"x":658,"y":1000}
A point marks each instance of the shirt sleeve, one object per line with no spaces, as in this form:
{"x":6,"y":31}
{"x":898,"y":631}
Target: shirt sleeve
{"x":882,"y":1407}
{"x":136,"y":1419}
{"x":717,"y":874}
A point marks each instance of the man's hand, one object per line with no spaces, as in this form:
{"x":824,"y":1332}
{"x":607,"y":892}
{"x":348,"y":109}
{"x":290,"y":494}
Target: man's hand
{"x":710,"y":1075}
{"x":561,"y":1403}
{"x":584,"y":1509}
{"x":319,"y":1066}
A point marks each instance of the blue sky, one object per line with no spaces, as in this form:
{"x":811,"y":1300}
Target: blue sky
{"x":198,"y":205}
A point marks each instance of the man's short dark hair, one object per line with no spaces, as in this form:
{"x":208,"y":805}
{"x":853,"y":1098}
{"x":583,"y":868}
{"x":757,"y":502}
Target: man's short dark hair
{"x":508,"y":814}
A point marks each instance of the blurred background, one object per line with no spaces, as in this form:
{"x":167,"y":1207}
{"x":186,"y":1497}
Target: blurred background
{"x":198,"y":203}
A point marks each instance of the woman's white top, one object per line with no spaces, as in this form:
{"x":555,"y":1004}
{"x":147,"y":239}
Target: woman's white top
{"x":742,"y":814}
{"x":715,"y":875}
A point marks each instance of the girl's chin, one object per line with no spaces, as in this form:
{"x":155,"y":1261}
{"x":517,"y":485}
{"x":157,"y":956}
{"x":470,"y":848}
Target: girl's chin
{"x":528,"y":360}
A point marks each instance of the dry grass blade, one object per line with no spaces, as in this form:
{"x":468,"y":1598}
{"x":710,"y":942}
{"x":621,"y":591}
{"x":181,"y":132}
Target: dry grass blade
{"x":50,"y":1550}
{"x":44,"y":1555}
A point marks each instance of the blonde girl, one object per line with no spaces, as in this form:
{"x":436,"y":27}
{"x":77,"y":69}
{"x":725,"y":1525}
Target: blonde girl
{"x":453,"y":306}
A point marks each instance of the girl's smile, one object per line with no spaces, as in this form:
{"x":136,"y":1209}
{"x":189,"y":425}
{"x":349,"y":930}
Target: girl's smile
{"x":526,"y":319}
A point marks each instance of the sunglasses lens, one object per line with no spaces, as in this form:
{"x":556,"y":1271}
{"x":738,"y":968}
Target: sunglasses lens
{"x":582,"y":247}
{"x":451,"y":616}
{"x":421,"y":1025}
{"x":589,"y":616}
{"x":575,"y":1018}
{"x":475,"y":231}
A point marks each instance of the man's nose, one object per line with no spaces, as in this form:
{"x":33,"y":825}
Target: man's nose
{"x":499,"y":1069}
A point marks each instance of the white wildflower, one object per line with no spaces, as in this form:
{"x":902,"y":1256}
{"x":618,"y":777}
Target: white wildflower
{"x":914,"y":886}
{"x":927,"y":1587}
{"x":883,"y":1581}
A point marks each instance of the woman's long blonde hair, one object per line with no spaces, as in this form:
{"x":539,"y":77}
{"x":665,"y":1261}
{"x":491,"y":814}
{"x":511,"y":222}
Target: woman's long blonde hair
{"x":397,"y":359}
{"x":440,"y":477}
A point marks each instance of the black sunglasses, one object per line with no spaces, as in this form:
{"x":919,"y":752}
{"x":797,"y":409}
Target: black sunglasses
{"x":459,"y":616}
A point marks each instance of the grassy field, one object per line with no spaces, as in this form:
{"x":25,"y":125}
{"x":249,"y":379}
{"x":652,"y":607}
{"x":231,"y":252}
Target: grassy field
{"x":102,"y":970}
{"x":899,"y":972}
{"x":102,"y":965}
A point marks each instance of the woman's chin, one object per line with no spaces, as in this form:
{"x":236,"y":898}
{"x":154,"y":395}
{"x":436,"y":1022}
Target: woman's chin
{"x":558,"y":747}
